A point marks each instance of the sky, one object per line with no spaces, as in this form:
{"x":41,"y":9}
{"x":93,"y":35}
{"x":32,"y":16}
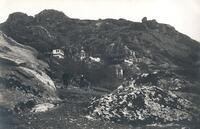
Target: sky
{"x":184,"y":15}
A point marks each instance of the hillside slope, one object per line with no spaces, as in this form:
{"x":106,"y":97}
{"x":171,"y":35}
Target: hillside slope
{"x":23,"y":77}
{"x":158,"y":43}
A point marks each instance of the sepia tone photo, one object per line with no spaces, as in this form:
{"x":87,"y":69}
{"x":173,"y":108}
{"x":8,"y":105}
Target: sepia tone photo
{"x":99,"y":64}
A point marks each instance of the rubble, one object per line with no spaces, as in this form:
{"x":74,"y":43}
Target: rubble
{"x":142,"y":104}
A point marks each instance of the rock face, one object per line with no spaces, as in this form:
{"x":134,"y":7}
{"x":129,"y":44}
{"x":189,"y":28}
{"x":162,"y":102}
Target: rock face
{"x":23,"y":77}
{"x":143,"y":105}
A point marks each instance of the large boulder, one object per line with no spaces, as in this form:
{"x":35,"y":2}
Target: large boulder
{"x":22,"y":76}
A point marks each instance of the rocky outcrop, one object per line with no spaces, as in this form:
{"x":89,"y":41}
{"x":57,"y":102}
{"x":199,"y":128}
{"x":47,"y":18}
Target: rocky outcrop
{"x":19,"y":18}
{"x":143,"y":105}
{"x":116,"y":52}
{"x":22,"y":28}
{"x":22,"y":76}
{"x":50,"y":17}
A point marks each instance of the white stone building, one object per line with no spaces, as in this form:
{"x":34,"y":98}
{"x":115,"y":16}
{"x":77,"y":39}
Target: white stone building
{"x":58,"y":53}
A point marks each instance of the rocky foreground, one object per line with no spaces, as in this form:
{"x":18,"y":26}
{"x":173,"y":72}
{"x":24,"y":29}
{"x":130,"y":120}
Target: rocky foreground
{"x":143,"y":105}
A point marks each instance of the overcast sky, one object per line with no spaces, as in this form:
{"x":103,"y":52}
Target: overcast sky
{"x":184,"y":15}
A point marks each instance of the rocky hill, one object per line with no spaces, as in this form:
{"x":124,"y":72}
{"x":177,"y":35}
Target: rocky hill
{"x":157,"y":46}
{"x":159,"y":43}
{"x":102,"y":55}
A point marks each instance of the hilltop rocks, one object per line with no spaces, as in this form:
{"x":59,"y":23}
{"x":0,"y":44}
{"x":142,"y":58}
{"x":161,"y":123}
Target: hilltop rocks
{"x":144,"y":19}
{"x":19,"y":18}
{"x":49,"y":17}
{"x":145,"y":104}
{"x":25,"y":30}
